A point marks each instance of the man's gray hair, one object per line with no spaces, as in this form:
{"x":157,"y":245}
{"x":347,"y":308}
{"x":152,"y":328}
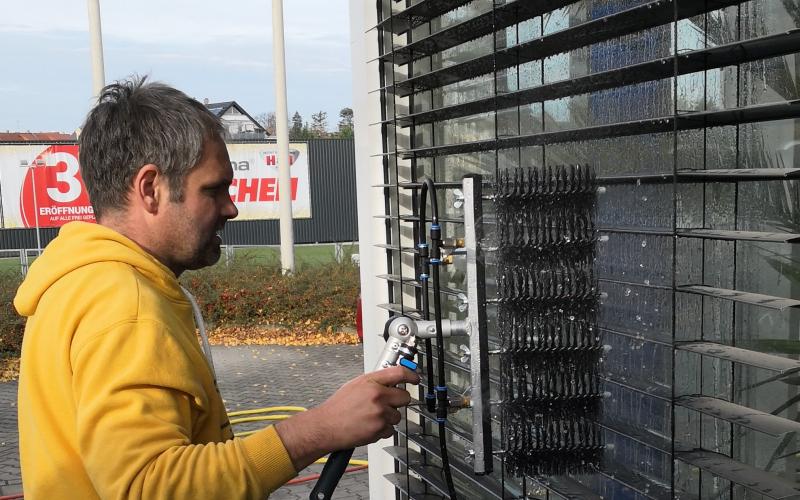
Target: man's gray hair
{"x":136,"y":123}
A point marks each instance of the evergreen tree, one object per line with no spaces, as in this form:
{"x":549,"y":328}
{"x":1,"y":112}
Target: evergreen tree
{"x":346,"y":123}
{"x":319,"y":124}
{"x":296,"y":132}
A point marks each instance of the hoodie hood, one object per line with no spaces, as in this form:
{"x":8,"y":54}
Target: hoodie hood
{"x":80,"y":244}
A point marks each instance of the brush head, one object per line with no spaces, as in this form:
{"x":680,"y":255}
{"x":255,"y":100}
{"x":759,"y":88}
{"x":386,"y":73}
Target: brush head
{"x":547,"y":314}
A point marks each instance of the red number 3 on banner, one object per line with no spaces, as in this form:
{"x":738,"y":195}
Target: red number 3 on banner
{"x":53,"y":191}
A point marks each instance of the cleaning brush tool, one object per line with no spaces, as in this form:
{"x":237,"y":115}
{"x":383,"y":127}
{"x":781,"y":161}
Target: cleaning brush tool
{"x":547,"y":302}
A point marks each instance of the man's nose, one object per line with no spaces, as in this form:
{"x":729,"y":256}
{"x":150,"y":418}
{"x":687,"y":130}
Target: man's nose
{"x":230,"y":211}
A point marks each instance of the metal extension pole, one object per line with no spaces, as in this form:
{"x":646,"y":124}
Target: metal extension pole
{"x":96,"y":36}
{"x":36,"y":211}
{"x":282,"y":131}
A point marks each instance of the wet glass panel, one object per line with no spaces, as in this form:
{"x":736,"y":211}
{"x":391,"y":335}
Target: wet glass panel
{"x":719,"y":206}
{"x":461,"y":14}
{"x":643,"y":46}
{"x":714,"y":487}
{"x":716,"y":381}
{"x":687,"y":480}
{"x":464,"y":91}
{"x":624,"y":104}
{"x":522,"y":76}
{"x":687,"y":377}
{"x":528,"y":30}
{"x":767,"y":17}
{"x":689,"y":263}
{"x":647,"y":417}
{"x":719,"y":149}
{"x":423,"y":135}
{"x":771,"y":144}
{"x":636,"y":206}
{"x":644,"y":311}
{"x":460,"y":53}
{"x":467,"y":129}
{"x":642,"y":154}
{"x":454,"y":167}
{"x":691,"y":92}
{"x":769,"y":206}
{"x":636,"y":258}
{"x":722,"y":26}
{"x":422,"y":101}
{"x":769,"y":80}
{"x":637,"y":362}
{"x":634,"y":468}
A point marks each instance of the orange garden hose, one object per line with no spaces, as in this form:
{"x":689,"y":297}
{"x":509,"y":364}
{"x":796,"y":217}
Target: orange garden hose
{"x":311,"y":477}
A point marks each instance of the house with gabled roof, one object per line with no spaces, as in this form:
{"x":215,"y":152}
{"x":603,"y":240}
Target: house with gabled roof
{"x":36,"y":136}
{"x":237,"y":122}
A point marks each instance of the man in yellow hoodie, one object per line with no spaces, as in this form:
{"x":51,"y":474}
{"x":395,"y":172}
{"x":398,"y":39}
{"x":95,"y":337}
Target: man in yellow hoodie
{"x":116,"y":399}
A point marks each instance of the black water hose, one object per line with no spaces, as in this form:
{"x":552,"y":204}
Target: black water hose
{"x":428,"y":188}
{"x":332,"y":472}
{"x":424,"y":278}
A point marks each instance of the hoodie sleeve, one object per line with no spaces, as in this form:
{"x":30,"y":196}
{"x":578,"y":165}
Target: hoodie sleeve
{"x":137,"y":392}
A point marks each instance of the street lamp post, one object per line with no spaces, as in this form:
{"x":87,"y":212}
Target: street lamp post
{"x":282,"y":131}
{"x":32,"y":169}
{"x":96,"y":36}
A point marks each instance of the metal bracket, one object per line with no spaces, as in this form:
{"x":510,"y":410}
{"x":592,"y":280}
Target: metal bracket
{"x":476,"y":318}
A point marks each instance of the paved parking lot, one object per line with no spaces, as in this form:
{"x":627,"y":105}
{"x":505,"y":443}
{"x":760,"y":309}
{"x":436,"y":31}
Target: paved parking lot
{"x":249,"y":377}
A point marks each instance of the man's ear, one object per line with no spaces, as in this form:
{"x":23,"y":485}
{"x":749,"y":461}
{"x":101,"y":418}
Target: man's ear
{"x":148,"y":187}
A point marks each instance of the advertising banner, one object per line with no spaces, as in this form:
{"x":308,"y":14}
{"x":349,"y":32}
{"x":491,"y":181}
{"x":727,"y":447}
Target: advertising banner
{"x":42,"y":185}
{"x":255,"y":183}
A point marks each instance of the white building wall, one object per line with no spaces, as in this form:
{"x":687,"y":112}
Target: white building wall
{"x":372,"y":231}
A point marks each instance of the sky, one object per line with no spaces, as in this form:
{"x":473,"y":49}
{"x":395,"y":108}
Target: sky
{"x":210,"y":49}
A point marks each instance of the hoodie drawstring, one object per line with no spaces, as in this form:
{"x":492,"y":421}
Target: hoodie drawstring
{"x":198,"y":320}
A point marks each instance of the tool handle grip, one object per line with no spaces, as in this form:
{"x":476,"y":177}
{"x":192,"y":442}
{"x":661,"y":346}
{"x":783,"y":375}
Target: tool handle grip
{"x":331,"y":474}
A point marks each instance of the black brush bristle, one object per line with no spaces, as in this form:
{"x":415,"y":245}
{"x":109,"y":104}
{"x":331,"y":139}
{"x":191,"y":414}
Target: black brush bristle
{"x":547,"y":303}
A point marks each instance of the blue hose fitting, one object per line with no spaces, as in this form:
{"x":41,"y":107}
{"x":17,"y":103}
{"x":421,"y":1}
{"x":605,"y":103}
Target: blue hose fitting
{"x":436,"y":232}
{"x":441,"y":403}
{"x":430,"y":402}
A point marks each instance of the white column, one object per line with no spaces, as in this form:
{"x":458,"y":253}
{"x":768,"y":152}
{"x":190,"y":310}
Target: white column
{"x":96,"y":36}
{"x":371,"y":231}
{"x":282,"y":132}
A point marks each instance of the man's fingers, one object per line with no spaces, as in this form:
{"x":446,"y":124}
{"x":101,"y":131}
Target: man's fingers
{"x":391,"y":416}
{"x":387,"y":432}
{"x":394,"y":375}
{"x":396,"y":398}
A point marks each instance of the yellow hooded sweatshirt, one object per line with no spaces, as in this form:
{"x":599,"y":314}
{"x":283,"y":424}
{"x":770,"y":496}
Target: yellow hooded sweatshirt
{"x":116,"y":399}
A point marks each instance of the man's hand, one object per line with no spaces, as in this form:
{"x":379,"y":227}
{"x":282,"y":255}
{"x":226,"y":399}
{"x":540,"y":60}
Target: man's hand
{"x":360,"y":412}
